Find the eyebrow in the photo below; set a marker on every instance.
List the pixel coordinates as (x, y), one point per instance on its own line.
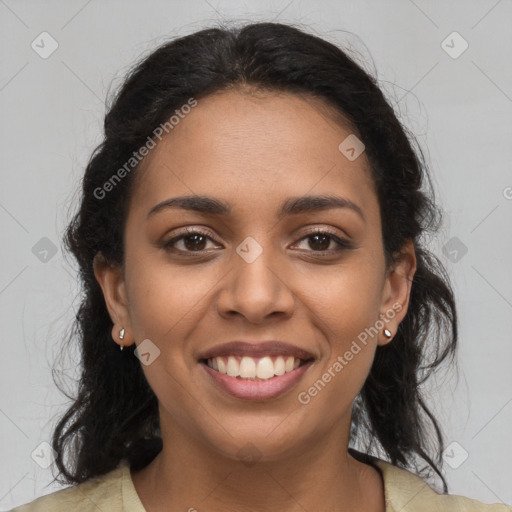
(292, 205)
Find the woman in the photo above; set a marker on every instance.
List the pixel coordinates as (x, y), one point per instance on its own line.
(256, 294)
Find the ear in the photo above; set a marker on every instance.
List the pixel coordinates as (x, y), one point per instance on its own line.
(111, 279)
(397, 290)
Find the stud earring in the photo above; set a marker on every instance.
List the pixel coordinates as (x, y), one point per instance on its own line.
(387, 333)
(121, 336)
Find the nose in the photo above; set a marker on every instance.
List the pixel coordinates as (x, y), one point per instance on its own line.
(256, 288)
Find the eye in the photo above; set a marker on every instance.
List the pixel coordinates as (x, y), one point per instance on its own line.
(320, 240)
(194, 240)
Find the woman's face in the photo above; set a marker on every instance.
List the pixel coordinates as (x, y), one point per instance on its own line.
(254, 274)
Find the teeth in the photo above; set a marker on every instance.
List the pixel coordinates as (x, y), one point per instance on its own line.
(251, 368)
(221, 364)
(279, 366)
(247, 368)
(233, 368)
(264, 368)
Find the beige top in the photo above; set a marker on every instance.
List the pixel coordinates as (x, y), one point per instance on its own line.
(115, 492)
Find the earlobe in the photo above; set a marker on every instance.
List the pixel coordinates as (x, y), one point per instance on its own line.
(111, 280)
(397, 291)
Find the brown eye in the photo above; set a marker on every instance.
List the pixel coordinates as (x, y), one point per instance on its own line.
(321, 241)
(193, 241)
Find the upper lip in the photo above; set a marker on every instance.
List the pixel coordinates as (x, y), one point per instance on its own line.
(245, 348)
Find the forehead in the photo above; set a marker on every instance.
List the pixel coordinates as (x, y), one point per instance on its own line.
(253, 149)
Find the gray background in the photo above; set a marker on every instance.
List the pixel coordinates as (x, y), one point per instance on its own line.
(459, 109)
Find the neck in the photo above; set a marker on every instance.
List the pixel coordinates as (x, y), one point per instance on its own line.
(188, 475)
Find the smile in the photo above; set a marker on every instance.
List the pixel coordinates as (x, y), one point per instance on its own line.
(246, 367)
(253, 378)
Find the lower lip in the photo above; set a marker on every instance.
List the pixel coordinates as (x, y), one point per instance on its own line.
(257, 389)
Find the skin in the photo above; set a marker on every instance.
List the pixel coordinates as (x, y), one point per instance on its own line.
(255, 151)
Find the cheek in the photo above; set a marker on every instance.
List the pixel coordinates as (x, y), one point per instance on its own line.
(345, 307)
(163, 299)
(346, 299)
(344, 314)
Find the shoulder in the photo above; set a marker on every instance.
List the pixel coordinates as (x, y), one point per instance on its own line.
(406, 492)
(110, 492)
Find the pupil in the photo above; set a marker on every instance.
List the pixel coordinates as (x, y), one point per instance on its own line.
(198, 240)
(324, 237)
(196, 244)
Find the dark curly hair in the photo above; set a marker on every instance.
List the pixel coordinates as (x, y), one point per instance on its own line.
(114, 414)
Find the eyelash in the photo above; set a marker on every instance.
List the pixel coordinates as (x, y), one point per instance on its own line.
(344, 244)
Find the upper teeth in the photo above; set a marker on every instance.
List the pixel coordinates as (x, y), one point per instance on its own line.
(250, 367)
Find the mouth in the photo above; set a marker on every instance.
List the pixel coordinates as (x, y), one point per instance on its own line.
(255, 379)
(255, 368)
(255, 371)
